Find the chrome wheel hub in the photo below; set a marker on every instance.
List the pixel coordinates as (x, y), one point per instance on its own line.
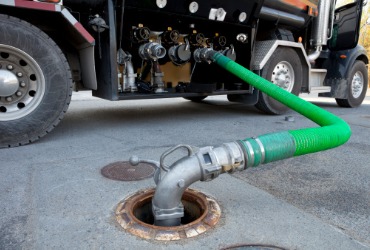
(8, 83)
(357, 84)
(22, 83)
(283, 76)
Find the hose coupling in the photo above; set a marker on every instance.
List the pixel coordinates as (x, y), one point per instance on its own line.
(235, 154)
(203, 55)
(227, 158)
(209, 164)
(152, 51)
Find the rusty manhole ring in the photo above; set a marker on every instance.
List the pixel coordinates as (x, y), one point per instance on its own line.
(201, 214)
(124, 171)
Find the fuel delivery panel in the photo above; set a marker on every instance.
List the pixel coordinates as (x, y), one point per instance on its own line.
(173, 34)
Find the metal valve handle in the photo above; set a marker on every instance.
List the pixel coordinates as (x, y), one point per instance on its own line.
(170, 151)
(135, 160)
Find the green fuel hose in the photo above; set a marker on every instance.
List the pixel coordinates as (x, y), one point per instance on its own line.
(277, 146)
(209, 162)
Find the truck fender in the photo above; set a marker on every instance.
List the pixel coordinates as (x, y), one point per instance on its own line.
(265, 49)
(338, 67)
(79, 37)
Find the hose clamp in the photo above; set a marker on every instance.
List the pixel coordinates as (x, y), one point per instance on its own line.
(249, 155)
(165, 214)
(262, 148)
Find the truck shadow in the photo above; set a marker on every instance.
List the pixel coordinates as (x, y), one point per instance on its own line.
(92, 117)
(162, 116)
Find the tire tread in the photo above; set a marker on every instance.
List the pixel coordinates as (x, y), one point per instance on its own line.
(64, 62)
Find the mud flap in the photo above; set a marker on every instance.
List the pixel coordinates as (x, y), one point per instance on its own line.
(339, 88)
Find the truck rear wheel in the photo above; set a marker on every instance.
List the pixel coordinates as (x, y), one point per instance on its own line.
(285, 70)
(357, 86)
(35, 83)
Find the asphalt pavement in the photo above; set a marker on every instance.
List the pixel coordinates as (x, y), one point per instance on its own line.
(53, 195)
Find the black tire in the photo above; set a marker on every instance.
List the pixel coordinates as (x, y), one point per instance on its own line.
(196, 98)
(283, 60)
(358, 78)
(37, 101)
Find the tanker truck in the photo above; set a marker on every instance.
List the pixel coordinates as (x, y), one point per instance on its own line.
(148, 49)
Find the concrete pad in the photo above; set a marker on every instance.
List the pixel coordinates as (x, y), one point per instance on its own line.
(71, 206)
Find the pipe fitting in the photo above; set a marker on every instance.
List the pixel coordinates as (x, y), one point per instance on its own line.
(321, 28)
(180, 54)
(314, 55)
(129, 76)
(204, 165)
(157, 77)
(166, 204)
(227, 158)
(152, 51)
(235, 159)
(204, 55)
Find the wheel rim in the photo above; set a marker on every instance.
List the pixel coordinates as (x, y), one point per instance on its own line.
(357, 85)
(283, 76)
(22, 83)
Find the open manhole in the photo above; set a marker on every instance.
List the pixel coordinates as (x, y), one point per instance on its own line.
(124, 171)
(134, 214)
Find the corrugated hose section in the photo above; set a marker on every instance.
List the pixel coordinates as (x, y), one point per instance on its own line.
(276, 146)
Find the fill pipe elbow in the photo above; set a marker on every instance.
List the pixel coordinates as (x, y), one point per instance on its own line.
(166, 204)
(206, 164)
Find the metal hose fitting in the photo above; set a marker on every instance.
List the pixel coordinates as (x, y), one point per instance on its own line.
(152, 51)
(204, 165)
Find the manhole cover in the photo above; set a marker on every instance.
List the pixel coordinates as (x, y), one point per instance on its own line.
(253, 247)
(124, 171)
